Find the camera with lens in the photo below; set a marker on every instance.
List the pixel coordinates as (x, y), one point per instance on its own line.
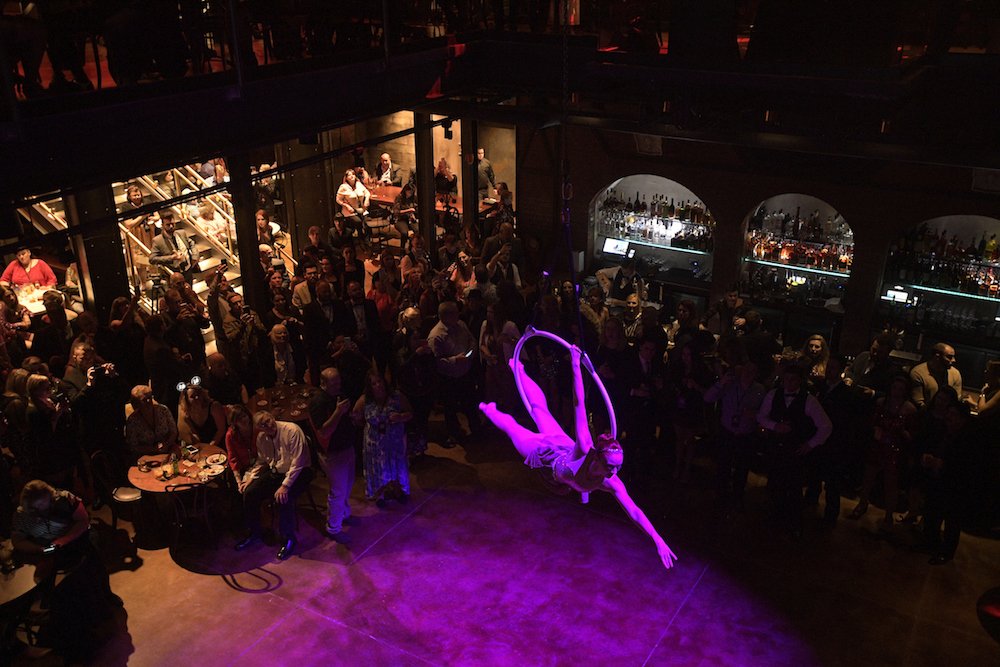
(104, 371)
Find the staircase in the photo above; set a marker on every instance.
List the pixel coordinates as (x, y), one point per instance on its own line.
(214, 239)
(211, 245)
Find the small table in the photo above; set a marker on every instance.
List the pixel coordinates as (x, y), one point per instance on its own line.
(17, 583)
(385, 195)
(14, 603)
(152, 482)
(288, 402)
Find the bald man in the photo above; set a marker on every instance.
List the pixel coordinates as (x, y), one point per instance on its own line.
(386, 173)
(938, 371)
(329, 415)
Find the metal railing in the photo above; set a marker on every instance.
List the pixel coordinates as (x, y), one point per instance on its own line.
(225, 249)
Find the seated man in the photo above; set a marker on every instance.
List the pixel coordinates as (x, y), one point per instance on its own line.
(50, 529)
(151, 428)
(386, 173)
(282, 471)
(25, 270)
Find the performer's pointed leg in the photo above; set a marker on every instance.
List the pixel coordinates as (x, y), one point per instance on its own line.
(524, 440)
(538, 406)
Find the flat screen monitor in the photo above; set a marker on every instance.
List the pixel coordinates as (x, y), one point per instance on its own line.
(615, 247)
(897, 296)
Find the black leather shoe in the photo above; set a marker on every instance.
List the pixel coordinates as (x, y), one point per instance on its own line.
(245, 542)
(286, 549)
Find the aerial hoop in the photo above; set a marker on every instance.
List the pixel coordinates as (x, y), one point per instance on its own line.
(532, 332)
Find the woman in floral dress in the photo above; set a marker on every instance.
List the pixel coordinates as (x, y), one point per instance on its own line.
(384, 413)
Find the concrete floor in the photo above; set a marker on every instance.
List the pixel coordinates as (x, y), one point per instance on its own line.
(486, 567)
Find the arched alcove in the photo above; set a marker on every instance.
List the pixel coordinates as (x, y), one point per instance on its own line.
(797, 257)
(655, 220)
(942, 283)
(799, 247)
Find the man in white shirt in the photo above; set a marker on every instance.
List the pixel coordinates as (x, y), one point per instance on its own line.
(797, 424)
(282, 471)
(454, 346)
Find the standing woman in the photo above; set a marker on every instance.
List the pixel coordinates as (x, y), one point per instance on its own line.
(264, 232)
(691, 377)
(128, 332)
(51, 434)
(497, 338)
(384, 414)
(614, 362)
(16, 321)
(989, 397)
(14, 410)
(415, 373)
(462, 276)
(816, 352)
(385, 296)
(354, 197)
(895, 427)
(685, 324)
(445, 180)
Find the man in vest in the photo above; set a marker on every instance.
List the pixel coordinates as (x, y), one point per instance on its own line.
(797, 424)
(619, 282)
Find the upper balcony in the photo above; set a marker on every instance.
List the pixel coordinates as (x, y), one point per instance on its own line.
(113, 92)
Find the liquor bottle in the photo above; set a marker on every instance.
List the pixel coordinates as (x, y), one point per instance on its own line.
(643, 208)
(970, 252)
(671, 209)
(941, 243)
(981, 248)
(990, 249)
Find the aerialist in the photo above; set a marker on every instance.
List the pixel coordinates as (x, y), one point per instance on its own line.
(579, 464)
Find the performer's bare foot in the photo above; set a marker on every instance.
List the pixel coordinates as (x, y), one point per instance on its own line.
(488, 408)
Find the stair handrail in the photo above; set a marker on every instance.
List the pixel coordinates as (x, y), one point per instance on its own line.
(209, 238)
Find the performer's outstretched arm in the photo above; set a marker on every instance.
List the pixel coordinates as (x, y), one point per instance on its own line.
(583, 439)
(616, 487)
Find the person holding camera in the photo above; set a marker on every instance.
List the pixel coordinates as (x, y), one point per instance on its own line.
(98, 407)
(172, 249)
(52, 436)
(247, 338)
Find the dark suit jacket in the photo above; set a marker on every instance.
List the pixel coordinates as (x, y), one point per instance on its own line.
(160, 253)
(396, 177)
(492, 245)
(318, 331)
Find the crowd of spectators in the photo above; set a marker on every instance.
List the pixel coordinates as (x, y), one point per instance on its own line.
(388, 340)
